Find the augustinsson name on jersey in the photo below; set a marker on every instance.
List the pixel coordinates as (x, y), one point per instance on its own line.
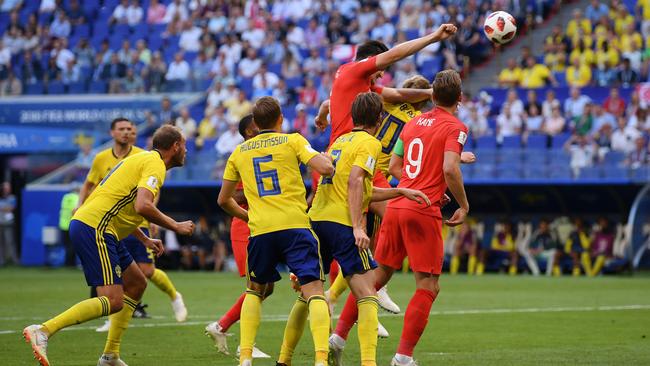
(267, 142)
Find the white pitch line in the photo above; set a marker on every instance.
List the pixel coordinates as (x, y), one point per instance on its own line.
(283, 318)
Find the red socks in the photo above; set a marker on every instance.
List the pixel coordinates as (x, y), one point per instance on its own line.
(415, 320)
(232, 316)
(348, 317)
(334, 271)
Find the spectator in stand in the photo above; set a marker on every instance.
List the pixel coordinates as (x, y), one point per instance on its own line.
(476, 123)
(125, 54)
(144, 54)
(201, 69)
(207, 127)
(238, 106)
(281, 93)
(575, 104)
(190, 37)
(264, 75)
(262, 90)
(536, 75)
(156, 12)
(578, 22)
(220, 119)
(534, 121)
(607, 55)
(11, 86)
(154, 73)
(290, 67)
(71, 73)
(604, 76)
(578, 74)
(583, 53)
(166, 114)
(31, 40)
(510, 76)
(543, 243)
(635, 55)
(308, 95)
(531, 101)
(61, 54)
(508, 123)
(134, 13)
(61, 26)
(52, 71)
(229, 140)
(179, 69)
(602, 246)
(549, 103)
(175, 9)
(217, 95)
(625, 76)
(468, 41)
(583, 124)
(502, 247)
(640, 120)
(84, 54)
(624, 137)
(113, 73)
(5, 60)
(640, 155)
(614, 104)
(186, 123)
(554, 124)
(120, 13)
(13, 39)
(603, 138)
(466, 245)
(596, 10)
(132, 83)
(250, 65)
(217, 22)
(601, 117)
(582, 151)
(75, 13)
(577, 246)
(643, 13)
(513, 102)
(315, 34)
(47, 6)
(31, 69)
(622, 19)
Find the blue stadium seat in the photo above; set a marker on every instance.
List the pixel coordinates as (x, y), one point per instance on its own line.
(535, 172)
(511, 142)
(486, 142)
(430, 67)
(614, 158)
(615, 172)
(535, 157)
(294, 83)
(509, 171)
(275, 68)
(155, 42)
(590, 173)
(55, 87)
(43, 19)
(82, 30)
(246, 85)
(537, 142)
(558, 141)
(640, 175)
(467, 170)
(34, 89)
(205, 84)
(486, 156)
(559, 172)
(411, 34)
(190, 57)
(484, 172)
(77, 88)
(560, 77)
(510, 156)
(98, 87)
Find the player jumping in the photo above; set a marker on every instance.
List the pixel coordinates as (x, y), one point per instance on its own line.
(113, 211)
(337, 215)
(429, 155)
(268, 166)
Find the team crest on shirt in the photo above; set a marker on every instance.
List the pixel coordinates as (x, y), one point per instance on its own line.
(462, 138)
(370, 163)
(152, 182)
(118, 271)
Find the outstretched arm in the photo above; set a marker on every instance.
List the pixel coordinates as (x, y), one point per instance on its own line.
(321, 119)
(146, 207)
(406, 49)
(402, 95)
(322, 163)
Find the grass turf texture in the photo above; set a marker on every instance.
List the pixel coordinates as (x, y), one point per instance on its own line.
(490, 320)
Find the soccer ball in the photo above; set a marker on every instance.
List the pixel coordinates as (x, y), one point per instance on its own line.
(500, 27)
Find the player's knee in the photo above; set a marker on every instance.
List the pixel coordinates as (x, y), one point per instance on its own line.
(268, 291)
(116, 303)
(147, 270)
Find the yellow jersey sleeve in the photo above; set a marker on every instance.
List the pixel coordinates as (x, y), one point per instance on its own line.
(152, 176)
(301, 146)
(230, 172)
(98, 168)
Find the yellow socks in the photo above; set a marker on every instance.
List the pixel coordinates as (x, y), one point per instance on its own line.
(598, 265)
(338, 287)
(119, 323)
(480, 268)
(319, 322)
(81, 312)
(576, 271)
(455, 263)
(471, 264)
(513, 270)
(557, 272)
(293, 330)
(162, 281)
(251, 314)
(585, 259)
(367, 329)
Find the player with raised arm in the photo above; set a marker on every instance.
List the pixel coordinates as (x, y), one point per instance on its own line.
(239, 233)
(337, 215)
(268, 165)
(113, 211)
(428, 153)
(143, 256)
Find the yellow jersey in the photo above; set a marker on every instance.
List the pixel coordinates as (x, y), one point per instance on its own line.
(587, 57)
(356, 148)
(110, 208)
(627, 40)
(269, 167)
(611, 57)
(104, 162)
(574, 24)
(535, 77)
(621, 23)
(645, 8)
(578, 76)
(394, 117)
(510, 75)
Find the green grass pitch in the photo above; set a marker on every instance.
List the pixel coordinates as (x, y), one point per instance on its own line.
(490, 320)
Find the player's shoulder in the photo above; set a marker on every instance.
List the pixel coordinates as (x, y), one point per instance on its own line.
(136, 150)
(104, 154)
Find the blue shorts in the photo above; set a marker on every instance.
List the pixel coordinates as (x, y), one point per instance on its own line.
(337, 242)
(138, 251)
(297, 248)
(102, 256)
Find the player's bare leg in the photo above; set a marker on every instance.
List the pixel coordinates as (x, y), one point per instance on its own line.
(129, 294)
(416, 317)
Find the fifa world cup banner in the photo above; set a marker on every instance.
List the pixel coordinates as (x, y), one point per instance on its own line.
(25, 139)
(76, 111)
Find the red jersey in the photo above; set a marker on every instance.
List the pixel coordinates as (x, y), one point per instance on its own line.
(350, 80)
(238, 228)
(426, 138)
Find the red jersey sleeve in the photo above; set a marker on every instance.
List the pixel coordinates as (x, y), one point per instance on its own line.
(365, 67)
(456, 138)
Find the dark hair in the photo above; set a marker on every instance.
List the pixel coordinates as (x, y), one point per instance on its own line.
(118, 120)
(266, 112)
(244, 123)
(366, 109)
(166, 136)
(447, 88)
(369, 49)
